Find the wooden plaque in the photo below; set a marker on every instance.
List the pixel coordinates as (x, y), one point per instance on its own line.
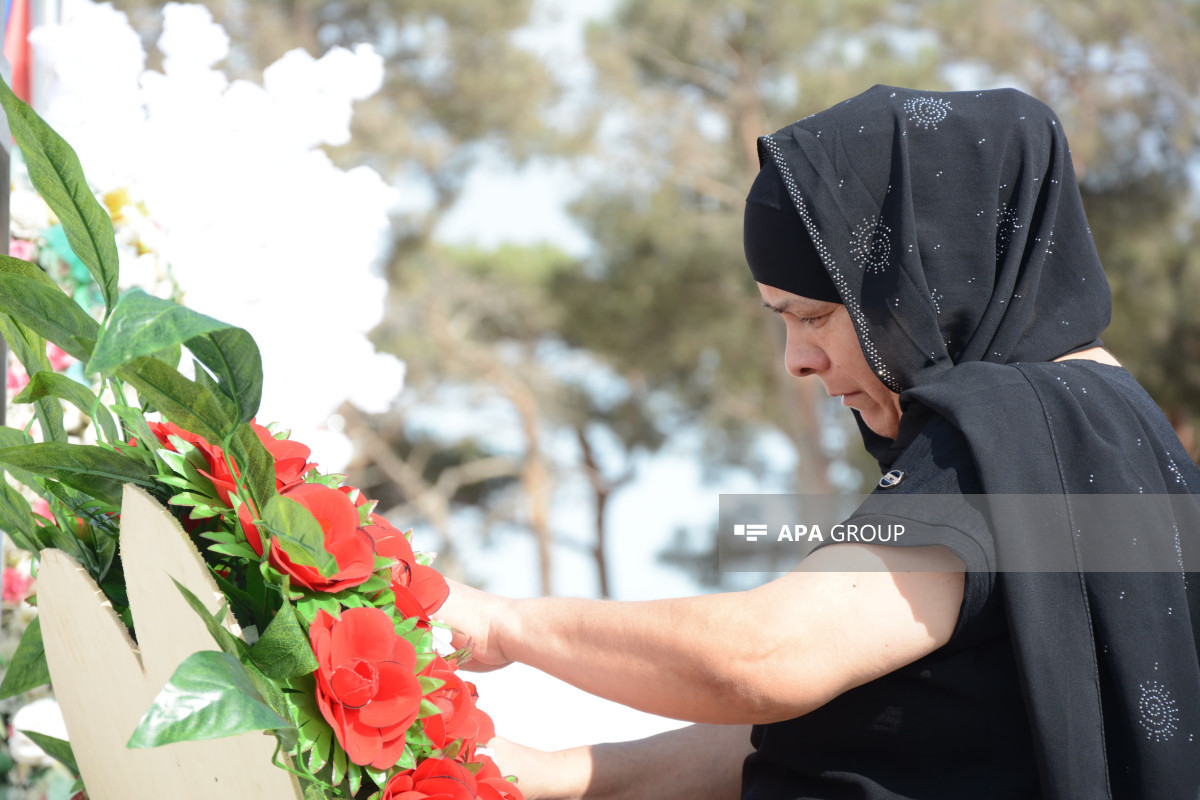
(104, 682)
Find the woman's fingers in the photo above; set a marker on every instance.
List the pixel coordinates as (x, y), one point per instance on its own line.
(474, 618)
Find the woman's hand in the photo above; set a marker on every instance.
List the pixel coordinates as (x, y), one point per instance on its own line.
(475, 618)
(561, 775)
(697, 762)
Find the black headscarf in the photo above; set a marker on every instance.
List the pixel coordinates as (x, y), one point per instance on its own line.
(952, 227)
(778, 248)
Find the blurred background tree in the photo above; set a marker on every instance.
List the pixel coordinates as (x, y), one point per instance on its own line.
(654, 333)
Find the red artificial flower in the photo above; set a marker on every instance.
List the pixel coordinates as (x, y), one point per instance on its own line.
(433, 779)
(223, 479)
(344, 540)
(291, 458)
(420, 590)
(366, 687)
(492, 785)
(359, 501)
(461, 718)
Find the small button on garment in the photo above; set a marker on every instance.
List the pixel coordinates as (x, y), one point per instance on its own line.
(892, 479)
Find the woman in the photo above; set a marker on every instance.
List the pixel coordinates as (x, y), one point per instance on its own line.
(930, 257)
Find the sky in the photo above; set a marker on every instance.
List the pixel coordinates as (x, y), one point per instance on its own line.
(528, 205)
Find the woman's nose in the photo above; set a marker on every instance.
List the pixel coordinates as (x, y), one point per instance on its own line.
(802, 357)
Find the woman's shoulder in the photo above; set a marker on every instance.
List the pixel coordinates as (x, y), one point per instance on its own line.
(937, 460)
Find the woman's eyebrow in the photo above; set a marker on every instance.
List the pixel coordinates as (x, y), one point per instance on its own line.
(790, 306)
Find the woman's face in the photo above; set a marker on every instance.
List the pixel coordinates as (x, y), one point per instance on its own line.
(821, 341)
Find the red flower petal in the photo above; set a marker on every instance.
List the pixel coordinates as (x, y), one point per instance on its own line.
(253, 538)
(361, 742)
(408, 605)
(429, 587)
(391, 752)
(355, 684)
(332, 509)
(365, 633)
(397, 697)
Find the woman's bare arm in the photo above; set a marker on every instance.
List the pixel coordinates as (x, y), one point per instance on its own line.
(851, 614)
(698, 762)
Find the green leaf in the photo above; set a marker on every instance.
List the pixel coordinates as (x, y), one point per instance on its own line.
(51, 384)
(321, 750)
(206, 381)
(16, 518)
(180, 400)
(307, 607)
(314, 791)
(135, 425)
(416, 741)
(108, 428)
(189, 451)
(248, 605)
(28, 668)
(96, 471)
(56, 174)
(339, 764)
(375, 583)
(283, 651)
(428, 709)
(45, 309)
(228, 643)
(429, 684)
(298, 532)
(423, 661)
(256, 464)
(452, 750)
(316, 737)
(30, 350)
(58, 749)
(237, 550)
(46, 384)
(378, 776)
(143, 325)
(355, 775)
(407, 759)
(209, 696)
(190, 499)
(12, 437)
(170, 356)
(233, 357)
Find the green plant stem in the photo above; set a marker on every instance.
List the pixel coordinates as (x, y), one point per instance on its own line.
(302, 772)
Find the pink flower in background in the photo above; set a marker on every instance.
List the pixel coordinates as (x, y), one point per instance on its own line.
(42, 509)
(22, 248)
(59, 360)
(17, 378)
(17, 585)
